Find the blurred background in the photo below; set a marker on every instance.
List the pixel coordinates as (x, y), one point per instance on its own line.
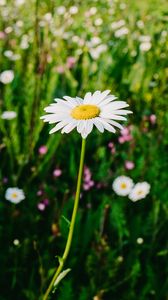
(50, 49)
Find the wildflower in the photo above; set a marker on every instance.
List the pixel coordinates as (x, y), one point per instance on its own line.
(122, 185)
(41, 206)
(14, 195)
(57, 172)
(121, 32)
(61, 10)
(16, 242)
(6, 76)
(144, 47)
(129, 165)
(71, 62)
(112, 147)
(140, 241)
(8, 115)
(140, 191)
(73, 10)
(97, 109)
(152, 119)
(43, 150)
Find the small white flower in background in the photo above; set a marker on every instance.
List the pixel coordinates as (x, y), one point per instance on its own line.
(96, 52)
(6, 76)
(145, 46)
(2, 2)
(122, 185)
(14, 195)
(98, 109)
(140, 241)
(139, 191)
(19, 2)
(116, 25)
(8, 53)
(8, 115)
(98, 22)
(145, 38)
(73, 10)
(121, 32)
(61, 10)
(16, 242)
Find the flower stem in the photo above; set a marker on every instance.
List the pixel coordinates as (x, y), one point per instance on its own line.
(72, 224)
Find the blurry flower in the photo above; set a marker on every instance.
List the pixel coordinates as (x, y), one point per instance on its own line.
(145, 46)
(14, 195)
(116, 25)
(129, 165)
(112, 147)
(122, 185)
(96, 52)
(140, 240)
(2, 2)
(60, 69)
(152, 119)
(39, 193)
(145, 38)
(57, 172)
(5, 180)
(8, 29)
(98, 22)
(61, 10)
(7, 76)
(41, 206)
(2, 35)
(8, 53)
(47, 17)
(55, 229)
(140, 23)
(93, 11)
(97, 109)
(19, 2)
(125, 135)
(139, 191)
(120, 259)
(16, 242)
(8, 115)
(42, 149)
(24, 44)
(71, 62)
(121, 32)
(73, 10)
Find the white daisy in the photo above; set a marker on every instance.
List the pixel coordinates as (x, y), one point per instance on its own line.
(8, 115)
(14, 195)
(6, 76)
(98, 109)
(122, 185)
(140, 191)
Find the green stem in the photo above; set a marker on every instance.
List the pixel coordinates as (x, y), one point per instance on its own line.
(72, 224)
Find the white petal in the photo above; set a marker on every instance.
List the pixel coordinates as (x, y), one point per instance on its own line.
(66, 103)
(107, 126)
(115, 105)
(112, 116)
(80, 126)
(107, 100)
(59, 126)
(69, 127)
(87, 98)
(98, 98)
(72, 102)
(98, 124)
(116, 124)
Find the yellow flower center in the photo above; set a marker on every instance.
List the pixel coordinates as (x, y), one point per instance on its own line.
(139, 193)
(85, 111)
(123, 185)
(14, 195)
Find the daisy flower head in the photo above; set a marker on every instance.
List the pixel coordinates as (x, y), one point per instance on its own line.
(99, 109)
(140, 191)
(122, 185)
(14, 195)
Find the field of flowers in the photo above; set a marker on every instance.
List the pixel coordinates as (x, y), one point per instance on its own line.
(49, 49)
